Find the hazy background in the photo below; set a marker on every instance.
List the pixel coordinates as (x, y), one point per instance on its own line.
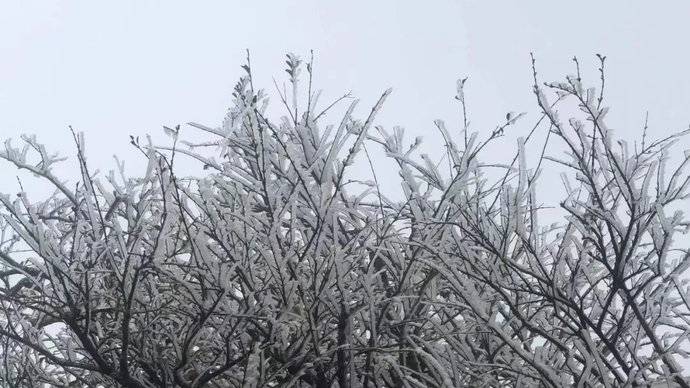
(111, 69)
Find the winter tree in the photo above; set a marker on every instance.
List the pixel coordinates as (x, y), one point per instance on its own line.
(276, 267)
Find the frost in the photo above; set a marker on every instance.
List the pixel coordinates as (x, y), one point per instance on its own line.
(285, 263)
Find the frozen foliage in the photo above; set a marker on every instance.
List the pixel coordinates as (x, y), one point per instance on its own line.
(275, 268)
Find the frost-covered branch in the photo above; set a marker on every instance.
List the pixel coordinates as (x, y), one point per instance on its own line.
(280, 265)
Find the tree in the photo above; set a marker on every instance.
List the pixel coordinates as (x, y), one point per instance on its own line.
(275, 268)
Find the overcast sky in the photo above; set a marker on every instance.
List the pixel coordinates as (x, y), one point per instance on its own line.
(112, 69)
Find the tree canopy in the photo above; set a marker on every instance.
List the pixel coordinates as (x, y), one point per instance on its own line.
(275, 267)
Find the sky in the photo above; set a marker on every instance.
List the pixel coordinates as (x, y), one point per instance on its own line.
(111, 69)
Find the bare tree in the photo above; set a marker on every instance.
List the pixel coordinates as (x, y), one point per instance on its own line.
(276, 268)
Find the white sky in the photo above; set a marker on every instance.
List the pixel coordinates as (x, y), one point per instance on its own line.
(112, 69)
(115, 69)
